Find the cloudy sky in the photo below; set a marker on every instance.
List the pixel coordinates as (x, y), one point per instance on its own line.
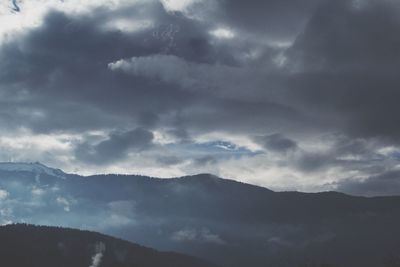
(287, 94)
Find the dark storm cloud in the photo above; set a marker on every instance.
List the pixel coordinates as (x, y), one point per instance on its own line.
(315, 161)
(65, 60)
(115, 147)
(345, 66)
(277, 142)
(350, 36)
(274, 19)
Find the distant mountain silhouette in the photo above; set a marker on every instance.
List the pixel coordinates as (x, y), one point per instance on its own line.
(230, 223)
(24, 245)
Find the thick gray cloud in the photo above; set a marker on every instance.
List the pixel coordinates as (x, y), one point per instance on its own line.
(344, 65)
(115, 147)
(66, 60)
(347, 153)
(277, 142)
(310, 88)
(273, 19)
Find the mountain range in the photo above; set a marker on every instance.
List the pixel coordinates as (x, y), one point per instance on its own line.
(229, 223)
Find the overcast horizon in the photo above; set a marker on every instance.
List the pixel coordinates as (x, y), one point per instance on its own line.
(289, 95)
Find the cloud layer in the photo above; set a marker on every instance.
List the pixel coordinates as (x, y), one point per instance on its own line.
(301, 96)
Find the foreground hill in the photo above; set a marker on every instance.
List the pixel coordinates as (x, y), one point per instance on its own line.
(226, 222)
(32, 246)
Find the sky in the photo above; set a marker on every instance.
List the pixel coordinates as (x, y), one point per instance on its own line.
(286, 94)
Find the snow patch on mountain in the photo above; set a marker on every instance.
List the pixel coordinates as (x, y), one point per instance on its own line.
(34, 167)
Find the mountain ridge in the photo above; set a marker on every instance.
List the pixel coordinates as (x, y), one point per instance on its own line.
(35, 167)
(226, 222)
(40, 168)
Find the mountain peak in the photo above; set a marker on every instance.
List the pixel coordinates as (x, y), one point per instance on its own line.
(35, 167)
(214, 181)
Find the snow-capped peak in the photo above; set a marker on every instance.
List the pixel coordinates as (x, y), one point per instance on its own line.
(34, 167)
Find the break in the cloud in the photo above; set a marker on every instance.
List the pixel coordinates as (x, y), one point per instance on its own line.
(283, 94)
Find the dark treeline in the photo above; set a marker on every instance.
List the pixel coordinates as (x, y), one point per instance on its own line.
(23, 245)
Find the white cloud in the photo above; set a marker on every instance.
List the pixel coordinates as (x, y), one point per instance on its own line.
(115, 221)
(223, 33)
(50, 149)
(129, 25)
(6, 222)
(65, 203)
(203, 235)
(178, 5)
(6, 211)
(36, 191)
(277, 171)
(3, 194)
(32, 12)
(200, 10)
(184, 235)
